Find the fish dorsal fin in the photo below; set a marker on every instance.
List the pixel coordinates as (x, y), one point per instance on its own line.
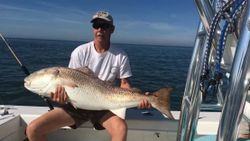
(90, 73)
(86, 71)
(134, 89)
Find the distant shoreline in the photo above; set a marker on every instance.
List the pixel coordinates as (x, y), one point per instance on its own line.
(19, 38)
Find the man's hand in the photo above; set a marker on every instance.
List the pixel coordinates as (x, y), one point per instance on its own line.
(60, 95)
(144, 103)
(126, 85)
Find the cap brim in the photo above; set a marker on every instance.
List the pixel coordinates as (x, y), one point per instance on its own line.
(98, 18)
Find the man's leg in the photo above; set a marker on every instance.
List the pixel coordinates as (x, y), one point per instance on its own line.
(115, 126)
(39, 128)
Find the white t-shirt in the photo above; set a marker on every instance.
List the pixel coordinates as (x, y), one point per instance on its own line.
(107, 66)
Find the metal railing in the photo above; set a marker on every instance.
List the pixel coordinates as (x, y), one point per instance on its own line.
(192, 96)
(235, 95)
(238, 86)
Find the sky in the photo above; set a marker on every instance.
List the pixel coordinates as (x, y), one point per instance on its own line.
(159, 22)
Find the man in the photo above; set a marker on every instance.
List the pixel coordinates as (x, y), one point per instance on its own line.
(107, 63)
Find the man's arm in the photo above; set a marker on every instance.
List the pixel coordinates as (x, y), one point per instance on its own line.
(125, 83)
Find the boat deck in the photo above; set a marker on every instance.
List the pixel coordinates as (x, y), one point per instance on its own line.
(146, 127)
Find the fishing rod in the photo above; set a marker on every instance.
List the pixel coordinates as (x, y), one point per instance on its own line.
(24, 69)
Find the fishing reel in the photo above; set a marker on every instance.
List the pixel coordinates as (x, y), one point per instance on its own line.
(210, 87)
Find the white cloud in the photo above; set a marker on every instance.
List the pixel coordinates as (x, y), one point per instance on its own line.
(45, 10)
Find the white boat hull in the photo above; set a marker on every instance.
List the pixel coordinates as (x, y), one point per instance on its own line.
(12, 127)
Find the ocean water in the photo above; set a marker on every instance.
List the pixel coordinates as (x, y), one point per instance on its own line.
(153, 67)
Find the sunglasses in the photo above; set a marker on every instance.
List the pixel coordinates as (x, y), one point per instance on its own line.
(101, 25)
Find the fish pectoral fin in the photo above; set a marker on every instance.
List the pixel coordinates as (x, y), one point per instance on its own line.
(119, 112)
(69, 83)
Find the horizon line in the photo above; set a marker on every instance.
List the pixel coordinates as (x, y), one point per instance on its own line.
(65, 40)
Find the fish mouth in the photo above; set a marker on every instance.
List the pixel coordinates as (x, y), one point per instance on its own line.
(27, 86)
(33, 88)
(26, 83)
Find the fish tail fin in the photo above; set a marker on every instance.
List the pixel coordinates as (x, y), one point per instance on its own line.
(162, 101)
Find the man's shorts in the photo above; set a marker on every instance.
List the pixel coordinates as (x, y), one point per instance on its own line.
(80, 116)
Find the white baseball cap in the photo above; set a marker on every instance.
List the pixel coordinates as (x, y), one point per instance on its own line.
(104, 16)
